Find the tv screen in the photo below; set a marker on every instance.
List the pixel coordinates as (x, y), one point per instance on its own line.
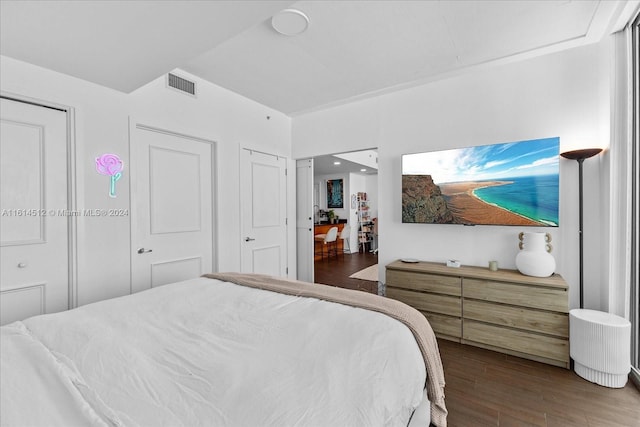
(514, 183)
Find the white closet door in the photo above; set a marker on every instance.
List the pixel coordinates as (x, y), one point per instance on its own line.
(172, 207)
(263, 198)
(34, 266)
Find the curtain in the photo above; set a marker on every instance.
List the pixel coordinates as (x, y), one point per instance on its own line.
(634, 254)
(621, 146)
(624, 291)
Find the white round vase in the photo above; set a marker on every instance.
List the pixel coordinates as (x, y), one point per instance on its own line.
(534, 258)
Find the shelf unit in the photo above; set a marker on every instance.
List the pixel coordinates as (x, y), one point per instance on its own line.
(365, 225)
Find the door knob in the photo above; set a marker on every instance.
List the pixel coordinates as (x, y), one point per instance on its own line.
(144, 251)
(249, 239)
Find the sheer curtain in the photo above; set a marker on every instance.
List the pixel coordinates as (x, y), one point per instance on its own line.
(623, 289)
(621, 146)
(635, 204)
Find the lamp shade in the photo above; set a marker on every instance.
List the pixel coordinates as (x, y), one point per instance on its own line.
(581, 154)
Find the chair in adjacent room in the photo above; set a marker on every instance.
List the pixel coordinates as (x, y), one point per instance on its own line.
(330, 240)
(345, 234)
(374, 237)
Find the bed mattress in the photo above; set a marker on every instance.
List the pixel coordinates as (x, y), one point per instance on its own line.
(209, 352)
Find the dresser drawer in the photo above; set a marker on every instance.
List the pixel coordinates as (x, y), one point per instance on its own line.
(444, 325)
(517, 294)
(424, 282)
(434, 303)
(516, 340)
(500, 310)
(518, 317)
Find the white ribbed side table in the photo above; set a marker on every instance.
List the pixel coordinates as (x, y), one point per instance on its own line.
(600, 346)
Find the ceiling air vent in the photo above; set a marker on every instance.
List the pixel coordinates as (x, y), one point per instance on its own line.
(180, 84)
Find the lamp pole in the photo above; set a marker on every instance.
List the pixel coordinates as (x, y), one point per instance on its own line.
(580, 156)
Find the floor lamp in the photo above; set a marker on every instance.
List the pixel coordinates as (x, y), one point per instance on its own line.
(580, 155)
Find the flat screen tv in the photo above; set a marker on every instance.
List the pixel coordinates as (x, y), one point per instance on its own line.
(514, 183)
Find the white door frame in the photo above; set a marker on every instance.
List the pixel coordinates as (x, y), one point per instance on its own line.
(305, 222)
(133, 191)
(72, 222)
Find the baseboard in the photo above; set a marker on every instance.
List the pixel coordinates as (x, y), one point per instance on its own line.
(634, 376)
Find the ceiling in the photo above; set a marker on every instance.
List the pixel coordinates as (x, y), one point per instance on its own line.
(351, 49)
(122, 44)
(351, 162)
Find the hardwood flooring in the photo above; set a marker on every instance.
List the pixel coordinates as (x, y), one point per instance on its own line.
(486, 388)
(335, 271)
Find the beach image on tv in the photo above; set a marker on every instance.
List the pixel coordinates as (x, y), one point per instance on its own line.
(502, 184)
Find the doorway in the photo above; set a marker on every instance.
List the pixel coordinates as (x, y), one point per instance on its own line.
(355, 176)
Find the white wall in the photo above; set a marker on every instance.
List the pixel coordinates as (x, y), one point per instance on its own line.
(234, 122)
(102, 125)
(563, 94)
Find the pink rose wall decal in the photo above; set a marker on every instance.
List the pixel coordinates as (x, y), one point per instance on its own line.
(112, 166)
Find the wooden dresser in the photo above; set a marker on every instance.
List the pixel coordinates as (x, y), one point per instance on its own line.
(500, 310)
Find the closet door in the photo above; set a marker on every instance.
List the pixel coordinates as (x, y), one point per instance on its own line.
(263, 210)
(33, 211)
(172, 207)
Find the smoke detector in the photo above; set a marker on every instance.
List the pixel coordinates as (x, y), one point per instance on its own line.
(290, 22)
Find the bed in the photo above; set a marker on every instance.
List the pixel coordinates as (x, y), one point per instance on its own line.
(225, 350)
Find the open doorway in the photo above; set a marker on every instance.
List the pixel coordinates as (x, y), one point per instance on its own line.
(345, 196)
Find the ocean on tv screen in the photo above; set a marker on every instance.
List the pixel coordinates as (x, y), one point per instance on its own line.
(534, 197)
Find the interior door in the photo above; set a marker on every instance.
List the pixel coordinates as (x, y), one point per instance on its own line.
(263, 199)
(34, 260)
(304, 219)
(172, 207)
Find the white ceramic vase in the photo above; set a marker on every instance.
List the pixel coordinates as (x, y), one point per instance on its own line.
(534, 258)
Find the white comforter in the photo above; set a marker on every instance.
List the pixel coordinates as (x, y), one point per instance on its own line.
(206, 352)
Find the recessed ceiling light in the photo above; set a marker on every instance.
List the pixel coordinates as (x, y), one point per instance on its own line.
(336, 163)
(290, 22)
(363, 170)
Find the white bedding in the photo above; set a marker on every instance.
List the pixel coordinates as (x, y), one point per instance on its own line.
(206, 352)
(39, 389)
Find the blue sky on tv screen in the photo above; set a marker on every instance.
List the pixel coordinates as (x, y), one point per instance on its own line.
(487, 162)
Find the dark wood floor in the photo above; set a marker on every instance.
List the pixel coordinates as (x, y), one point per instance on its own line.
(485, 388)
(335, 271)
